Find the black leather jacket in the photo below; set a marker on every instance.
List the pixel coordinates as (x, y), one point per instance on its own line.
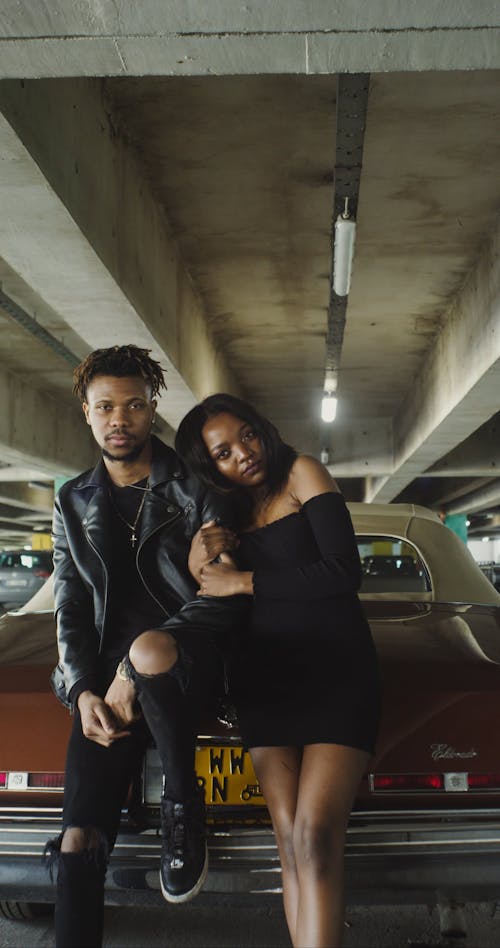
(174, 509)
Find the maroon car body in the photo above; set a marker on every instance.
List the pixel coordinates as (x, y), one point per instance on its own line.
(427, 816)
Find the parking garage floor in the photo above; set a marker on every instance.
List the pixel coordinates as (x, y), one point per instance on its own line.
(230, 925)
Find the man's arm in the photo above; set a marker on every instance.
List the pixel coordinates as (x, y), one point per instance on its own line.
(77, 640)
(76, 635)
(214, 616)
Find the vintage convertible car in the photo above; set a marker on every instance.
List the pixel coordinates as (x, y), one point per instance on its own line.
(426, 824)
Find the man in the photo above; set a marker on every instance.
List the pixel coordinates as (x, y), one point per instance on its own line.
(139, 652)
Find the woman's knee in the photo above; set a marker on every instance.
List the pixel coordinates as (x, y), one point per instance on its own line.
(283, 831)
(318, 845)
(153, 652)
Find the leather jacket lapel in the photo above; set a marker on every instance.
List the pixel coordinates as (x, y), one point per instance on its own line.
(97, 524)
(157, 512)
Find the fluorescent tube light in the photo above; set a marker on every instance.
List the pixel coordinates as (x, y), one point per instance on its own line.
(345, 234)
(328, 408)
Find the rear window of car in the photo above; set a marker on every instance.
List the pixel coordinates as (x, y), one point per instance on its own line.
(25, 559)
(391, 565)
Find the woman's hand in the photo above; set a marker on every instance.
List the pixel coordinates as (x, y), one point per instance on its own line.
(208, 543)
(222, 579)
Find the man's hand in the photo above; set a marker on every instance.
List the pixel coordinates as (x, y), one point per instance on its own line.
(207, 544)
(120, 697)
(98, 723)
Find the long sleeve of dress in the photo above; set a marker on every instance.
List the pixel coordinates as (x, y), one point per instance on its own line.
(336, 572)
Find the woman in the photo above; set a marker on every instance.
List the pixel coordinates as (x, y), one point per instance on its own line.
(304, 680)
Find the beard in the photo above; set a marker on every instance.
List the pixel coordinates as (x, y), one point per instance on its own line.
(131, 455)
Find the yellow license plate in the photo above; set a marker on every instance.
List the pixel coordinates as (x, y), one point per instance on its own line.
(228, 776)
(225, 772)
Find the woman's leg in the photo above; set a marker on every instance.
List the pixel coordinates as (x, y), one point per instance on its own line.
(277, 770)
(329, 777)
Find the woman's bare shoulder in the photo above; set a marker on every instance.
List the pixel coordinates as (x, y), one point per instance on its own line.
(309, 477)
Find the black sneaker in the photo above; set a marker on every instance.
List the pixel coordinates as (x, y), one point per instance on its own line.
(184, 858)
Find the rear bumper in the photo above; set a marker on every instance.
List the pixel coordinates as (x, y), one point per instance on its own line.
(390, 857)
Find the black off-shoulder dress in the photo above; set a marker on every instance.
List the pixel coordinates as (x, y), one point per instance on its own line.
(306, 672)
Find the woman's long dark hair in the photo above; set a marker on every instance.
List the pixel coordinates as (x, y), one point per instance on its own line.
(191, 447)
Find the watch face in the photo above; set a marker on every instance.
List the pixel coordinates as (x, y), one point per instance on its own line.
(122, 672)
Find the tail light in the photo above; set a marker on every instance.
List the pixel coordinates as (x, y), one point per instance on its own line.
(453, 782)
(48, 781)
(41, 573)
(407, 782)
(21, 780)
(484, 781)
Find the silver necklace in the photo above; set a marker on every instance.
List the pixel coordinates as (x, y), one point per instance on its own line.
(132, 526)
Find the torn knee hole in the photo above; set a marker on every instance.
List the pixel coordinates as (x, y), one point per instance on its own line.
(153, 653)
(75, 839)
(87, 845)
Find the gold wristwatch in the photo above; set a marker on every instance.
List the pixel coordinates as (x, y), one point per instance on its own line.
(123, 671)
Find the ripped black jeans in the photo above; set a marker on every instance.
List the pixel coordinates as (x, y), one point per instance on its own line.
(97, 780)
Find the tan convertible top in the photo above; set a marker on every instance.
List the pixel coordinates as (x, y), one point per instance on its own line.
(455, 575)
(29, 635)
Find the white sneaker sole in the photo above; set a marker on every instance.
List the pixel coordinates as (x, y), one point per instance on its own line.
(187, 896)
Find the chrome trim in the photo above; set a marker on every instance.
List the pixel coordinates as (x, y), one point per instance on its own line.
(388, 855)
(38, 790)
(204, 740)
(371, 816)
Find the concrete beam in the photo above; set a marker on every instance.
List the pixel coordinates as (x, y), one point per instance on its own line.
(13, 473)
(184, 37)
(357, 447)
(29, 519)
(114, 273)
(37, 430)
(27, 497)
(478, 456)
(457, 388)
(483, 499)
(12, 529)
(461, 487)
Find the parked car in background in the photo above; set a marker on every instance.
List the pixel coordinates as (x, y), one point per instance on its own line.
(492, 571)
(427, 816)
(22, 573)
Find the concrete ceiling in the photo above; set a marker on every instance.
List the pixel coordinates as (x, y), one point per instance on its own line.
(193, 215)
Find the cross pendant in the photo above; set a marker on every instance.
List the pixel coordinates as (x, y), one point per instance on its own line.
(133, 538)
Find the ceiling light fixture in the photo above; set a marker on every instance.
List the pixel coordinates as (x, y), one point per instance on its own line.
(345, 235)
(328, 407)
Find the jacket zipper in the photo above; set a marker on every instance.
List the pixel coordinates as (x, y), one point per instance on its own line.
(162, 526)
(106, 574)
(106, 587)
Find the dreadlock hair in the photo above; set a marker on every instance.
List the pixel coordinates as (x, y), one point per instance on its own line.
(191, 447)
(119, 361)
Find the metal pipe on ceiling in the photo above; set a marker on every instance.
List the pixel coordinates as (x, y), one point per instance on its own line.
(16, 312)
(352, 105)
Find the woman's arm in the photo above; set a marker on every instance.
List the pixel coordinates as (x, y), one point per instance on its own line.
(338, 570)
